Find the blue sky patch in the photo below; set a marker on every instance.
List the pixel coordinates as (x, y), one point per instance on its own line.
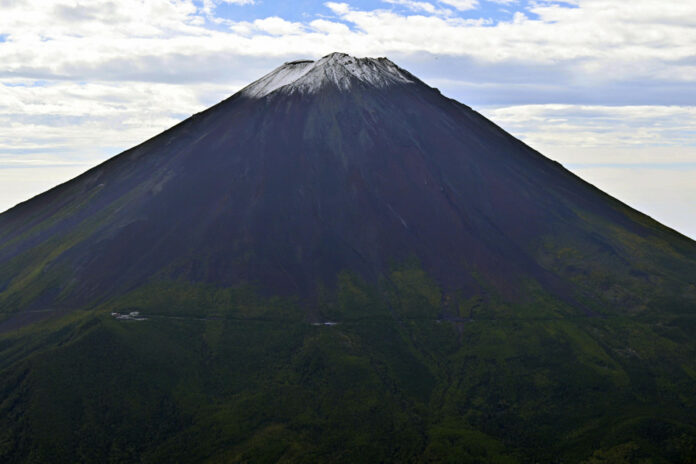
(306, 11)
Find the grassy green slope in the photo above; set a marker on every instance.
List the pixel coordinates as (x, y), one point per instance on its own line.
(245, 379)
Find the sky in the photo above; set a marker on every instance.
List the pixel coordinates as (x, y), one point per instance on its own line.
(605, 87)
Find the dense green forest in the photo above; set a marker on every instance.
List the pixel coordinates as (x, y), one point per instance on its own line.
(222, 375)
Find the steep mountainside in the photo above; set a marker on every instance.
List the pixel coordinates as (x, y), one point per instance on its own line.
(490, 305)
(324, 167)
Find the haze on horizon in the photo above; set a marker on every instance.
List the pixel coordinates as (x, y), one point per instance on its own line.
(605, 87)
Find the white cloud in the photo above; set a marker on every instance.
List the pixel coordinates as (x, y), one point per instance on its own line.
(604, 134)
(329, 27)
(600, 39)
(65, 122)
(461, 5)
(278, 26)
(338, 8)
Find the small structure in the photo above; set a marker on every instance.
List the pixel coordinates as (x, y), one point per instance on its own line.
(132, 316)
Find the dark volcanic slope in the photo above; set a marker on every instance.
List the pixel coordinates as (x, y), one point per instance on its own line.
(487, 305)
(353, 165)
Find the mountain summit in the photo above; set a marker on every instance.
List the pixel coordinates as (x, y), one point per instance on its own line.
(337, 69)
(340, 264)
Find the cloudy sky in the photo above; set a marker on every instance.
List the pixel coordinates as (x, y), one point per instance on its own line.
(606, 87)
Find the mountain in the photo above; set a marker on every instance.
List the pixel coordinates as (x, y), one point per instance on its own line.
(340, 264)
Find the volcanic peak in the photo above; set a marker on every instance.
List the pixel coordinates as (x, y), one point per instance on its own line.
(338, 69)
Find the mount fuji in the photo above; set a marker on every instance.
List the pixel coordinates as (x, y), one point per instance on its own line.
(340, 264)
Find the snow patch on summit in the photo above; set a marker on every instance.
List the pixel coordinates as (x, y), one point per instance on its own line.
(339, 69)
(280, 77)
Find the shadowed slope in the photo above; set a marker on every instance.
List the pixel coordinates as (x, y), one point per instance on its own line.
(318, 168)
